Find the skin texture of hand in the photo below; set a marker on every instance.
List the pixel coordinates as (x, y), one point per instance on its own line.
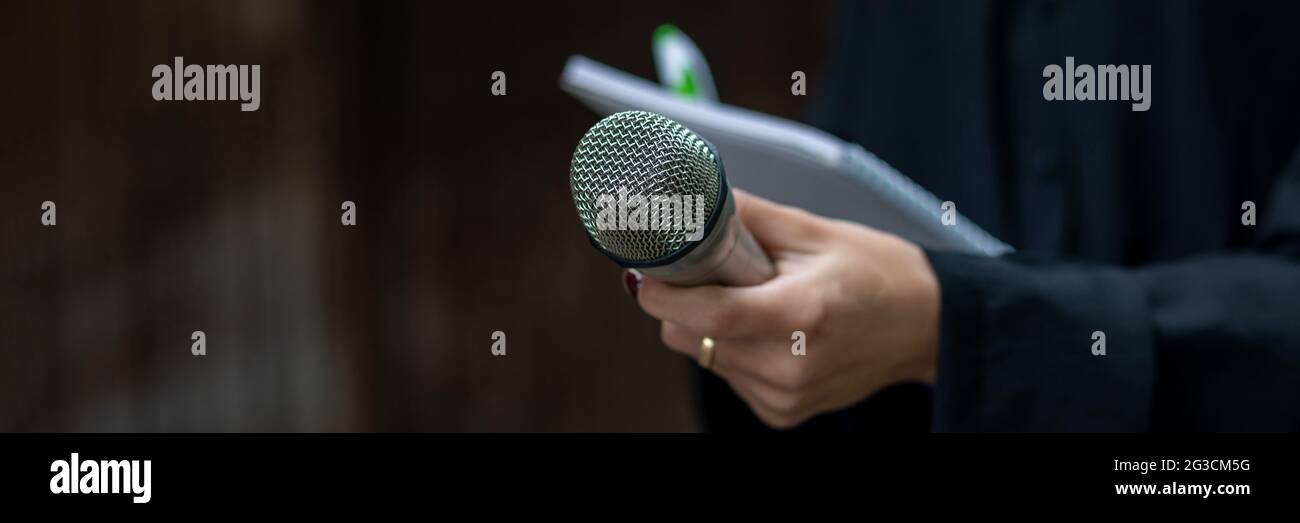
(866, 301)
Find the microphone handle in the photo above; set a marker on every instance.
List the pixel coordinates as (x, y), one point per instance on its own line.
(729, 255)
(747, 264)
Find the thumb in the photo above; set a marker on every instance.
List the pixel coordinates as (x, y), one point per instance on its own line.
(779, 227)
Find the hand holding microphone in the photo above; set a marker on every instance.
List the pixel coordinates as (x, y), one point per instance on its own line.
(866, 302)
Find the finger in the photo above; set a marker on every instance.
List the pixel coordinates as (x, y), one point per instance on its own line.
(760, 402)
(725, 312)
(683, 340)
(679, 339)
(731, 357)
(779, 227)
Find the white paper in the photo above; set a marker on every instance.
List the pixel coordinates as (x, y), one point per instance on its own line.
(789, 162)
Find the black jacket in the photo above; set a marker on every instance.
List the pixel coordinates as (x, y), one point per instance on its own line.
(1126, 223)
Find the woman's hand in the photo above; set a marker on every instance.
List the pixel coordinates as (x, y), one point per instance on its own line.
(867, 303)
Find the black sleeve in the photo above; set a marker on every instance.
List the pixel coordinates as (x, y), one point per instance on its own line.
(1210, 343)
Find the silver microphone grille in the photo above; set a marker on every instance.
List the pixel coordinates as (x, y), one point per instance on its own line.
(643, 154)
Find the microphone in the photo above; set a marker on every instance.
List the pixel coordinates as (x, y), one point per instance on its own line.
(653, 196)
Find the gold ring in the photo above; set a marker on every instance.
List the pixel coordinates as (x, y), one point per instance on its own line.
(707, 348)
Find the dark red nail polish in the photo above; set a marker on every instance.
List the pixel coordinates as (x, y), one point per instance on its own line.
(631, 283)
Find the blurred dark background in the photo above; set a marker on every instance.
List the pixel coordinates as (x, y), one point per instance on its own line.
(183, 216)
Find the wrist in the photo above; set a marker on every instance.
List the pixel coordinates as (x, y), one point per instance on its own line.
(928, 306)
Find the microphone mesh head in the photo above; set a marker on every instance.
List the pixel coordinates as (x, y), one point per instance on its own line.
(649, 155)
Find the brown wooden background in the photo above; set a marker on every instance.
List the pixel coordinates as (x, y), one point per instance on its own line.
(183, 216)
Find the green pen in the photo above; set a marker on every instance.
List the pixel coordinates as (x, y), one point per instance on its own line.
(681, 66)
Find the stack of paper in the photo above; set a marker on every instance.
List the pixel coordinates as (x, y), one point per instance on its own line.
(790, 162)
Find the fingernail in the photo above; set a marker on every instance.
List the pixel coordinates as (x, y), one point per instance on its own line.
(631, 282)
